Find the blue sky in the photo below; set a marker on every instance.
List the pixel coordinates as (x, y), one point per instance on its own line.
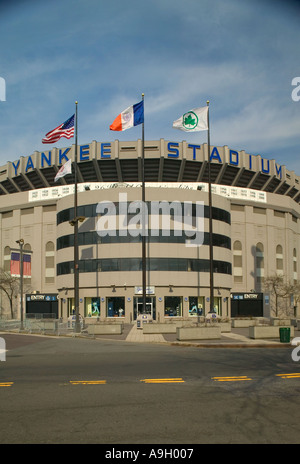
(239, 55)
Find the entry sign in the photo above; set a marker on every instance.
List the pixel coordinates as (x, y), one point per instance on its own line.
(246, 296)
(41, 297)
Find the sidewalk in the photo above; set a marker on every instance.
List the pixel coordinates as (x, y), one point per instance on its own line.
(237, 338)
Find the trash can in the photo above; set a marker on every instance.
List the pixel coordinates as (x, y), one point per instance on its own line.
(285, 334)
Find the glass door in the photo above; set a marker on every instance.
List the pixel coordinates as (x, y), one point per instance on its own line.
(147, 311)
(138, 307)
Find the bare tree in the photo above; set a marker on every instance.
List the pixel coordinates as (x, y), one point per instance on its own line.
(278, 288)
(294, 290)
(10, 286)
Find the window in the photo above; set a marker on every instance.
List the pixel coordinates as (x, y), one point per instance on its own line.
(196, 306)
(6, 264)
(50, 267)
(173, 305)
(237, 207)
(26, 211)
(8, 214)
(279, 213)
(71, 306)
(295, 265)
(92, 307)
(279, 260)
(217, 305)
(258, 210)
(237, 262)
(115, 306)
(260, 263)
(135, 264)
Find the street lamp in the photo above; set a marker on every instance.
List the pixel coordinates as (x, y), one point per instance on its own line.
(21, 244)
(74, 223)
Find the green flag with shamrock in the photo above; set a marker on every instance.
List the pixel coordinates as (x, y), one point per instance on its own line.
(192, 121)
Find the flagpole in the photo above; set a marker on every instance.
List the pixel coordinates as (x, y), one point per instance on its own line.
(211, 270)
(143, 216)
(77, 328)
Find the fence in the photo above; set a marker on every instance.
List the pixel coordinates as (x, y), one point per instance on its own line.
(42, 324)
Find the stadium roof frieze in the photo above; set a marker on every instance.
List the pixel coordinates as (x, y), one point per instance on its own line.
(165, 161)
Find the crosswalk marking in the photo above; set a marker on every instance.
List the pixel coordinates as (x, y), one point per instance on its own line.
(231, 379)
(294, 375)
(6, 384)
(176, 380)
(88, 382)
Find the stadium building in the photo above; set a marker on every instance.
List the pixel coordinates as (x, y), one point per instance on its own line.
(255, 233)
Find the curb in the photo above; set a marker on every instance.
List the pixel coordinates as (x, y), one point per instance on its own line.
(166, 342)
(232, 345)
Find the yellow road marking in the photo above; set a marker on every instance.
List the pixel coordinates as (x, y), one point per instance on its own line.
(231, 379)
(6, 384)
(176, 380)
(88, 382)
(289, 376)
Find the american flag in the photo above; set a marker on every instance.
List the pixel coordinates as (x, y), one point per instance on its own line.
(64, 130)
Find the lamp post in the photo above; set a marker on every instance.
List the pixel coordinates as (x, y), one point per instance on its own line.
(74, 223)
(21, 244)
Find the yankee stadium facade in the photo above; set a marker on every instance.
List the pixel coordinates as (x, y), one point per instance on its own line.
(255, 230)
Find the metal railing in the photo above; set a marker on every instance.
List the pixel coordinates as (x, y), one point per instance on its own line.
(40, 324)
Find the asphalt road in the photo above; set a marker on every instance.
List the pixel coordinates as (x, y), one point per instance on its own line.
(70, 390)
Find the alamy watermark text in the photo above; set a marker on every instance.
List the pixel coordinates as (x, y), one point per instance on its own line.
(138, 218)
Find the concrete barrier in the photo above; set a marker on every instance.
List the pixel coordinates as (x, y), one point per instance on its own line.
(198, 333)
(41, 325)
(280, 321)
(241, 323)
(168, 328)
(104, 329)
(225, 326)
(270, 331)
(159, 328)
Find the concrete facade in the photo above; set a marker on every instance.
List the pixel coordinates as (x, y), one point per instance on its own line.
(255, 227)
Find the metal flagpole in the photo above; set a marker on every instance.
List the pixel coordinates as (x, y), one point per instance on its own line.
(77, 328)
(211, 269)
(143, 216)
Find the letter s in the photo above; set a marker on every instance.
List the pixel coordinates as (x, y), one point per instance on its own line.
(295, 94)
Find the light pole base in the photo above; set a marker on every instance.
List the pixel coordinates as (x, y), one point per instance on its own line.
(77, 327)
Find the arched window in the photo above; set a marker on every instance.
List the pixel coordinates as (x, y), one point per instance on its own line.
(50, 265)
(295, 275)
(260, 263)
(6, 259)
(237, 262)
(279, 260)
